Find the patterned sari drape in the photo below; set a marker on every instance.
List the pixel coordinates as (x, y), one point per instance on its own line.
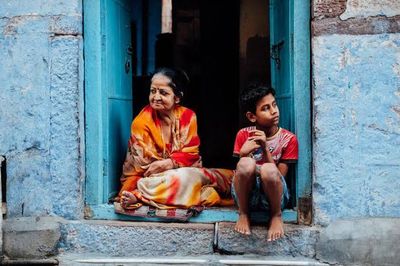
(189, 184)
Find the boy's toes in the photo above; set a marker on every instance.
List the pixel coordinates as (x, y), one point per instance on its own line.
(242, 230)
(242, 225)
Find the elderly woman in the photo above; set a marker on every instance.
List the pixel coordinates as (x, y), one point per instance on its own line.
(163, 166)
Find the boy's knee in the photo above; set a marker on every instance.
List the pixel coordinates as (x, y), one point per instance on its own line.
(246, 167)
(270, 173)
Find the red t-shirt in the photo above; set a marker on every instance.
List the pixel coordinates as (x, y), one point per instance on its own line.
(283, 146)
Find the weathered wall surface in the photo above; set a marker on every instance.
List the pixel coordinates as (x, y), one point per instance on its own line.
(356, 98)
(41, 106)
(356, 101)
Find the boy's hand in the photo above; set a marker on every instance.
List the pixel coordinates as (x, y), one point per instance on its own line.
(259, 137)
(249, 146)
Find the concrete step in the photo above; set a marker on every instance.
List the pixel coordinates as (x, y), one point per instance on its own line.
(91, 259)
(298, 241)
(39, 238)
(116, 238)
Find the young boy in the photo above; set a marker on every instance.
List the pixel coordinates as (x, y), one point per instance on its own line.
(265, 151)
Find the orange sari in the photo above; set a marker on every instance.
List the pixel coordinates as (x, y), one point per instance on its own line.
(187, 185)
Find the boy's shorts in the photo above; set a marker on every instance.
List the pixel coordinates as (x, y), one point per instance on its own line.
(258, 200)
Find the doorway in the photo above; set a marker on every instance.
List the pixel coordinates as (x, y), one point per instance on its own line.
(222, 45)
(207, 47)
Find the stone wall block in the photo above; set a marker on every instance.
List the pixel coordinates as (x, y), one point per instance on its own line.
(24, 116)
(65, 131)
(66, 25)
(369, 8)
(328, 8)
(12, 8)
(31, 237)
(368, 241)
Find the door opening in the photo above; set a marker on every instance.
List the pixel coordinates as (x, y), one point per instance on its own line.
(223, 45)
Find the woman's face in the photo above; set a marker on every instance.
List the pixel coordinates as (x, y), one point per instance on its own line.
(162, 97)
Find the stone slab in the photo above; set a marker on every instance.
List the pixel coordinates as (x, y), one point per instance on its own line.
(31, 237)
(298, 241)
(366, 8)
(138, 238)
(373, 241)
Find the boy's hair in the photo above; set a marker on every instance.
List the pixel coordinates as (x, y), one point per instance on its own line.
(252, 94)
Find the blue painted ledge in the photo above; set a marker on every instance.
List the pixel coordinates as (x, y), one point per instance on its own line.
(209, 215)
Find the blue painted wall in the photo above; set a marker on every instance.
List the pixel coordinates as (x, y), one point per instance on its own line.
(356, 113)
(41, 106)
(357, 126)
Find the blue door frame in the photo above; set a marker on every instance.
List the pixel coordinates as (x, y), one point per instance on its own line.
(290, 42)
(95, 111)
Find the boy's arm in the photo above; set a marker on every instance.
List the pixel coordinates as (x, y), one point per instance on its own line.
(268, 155)
(243, 145)
(283, 168)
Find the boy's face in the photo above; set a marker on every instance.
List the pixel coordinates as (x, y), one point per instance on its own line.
(267, 112)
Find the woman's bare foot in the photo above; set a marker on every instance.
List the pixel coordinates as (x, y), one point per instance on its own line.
(243, 224)
(275, 230)
(127, 198)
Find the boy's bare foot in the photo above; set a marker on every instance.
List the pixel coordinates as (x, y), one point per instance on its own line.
(275, 230)
(243, 224)
(127, 198)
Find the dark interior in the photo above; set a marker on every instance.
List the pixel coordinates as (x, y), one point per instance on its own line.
(205, 42)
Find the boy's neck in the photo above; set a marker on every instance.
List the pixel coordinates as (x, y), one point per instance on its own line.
(269, 131)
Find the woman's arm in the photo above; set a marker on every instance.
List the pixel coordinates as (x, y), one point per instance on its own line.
(159, 167)
(188, 154)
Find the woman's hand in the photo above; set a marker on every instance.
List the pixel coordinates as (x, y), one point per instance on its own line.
(159, 166)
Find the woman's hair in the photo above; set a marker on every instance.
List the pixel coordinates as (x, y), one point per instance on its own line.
(179, 79)
(252, 94)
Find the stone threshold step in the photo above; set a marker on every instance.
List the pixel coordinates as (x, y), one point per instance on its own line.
(38, 237)
(182, 239)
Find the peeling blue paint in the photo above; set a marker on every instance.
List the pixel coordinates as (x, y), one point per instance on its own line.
(356, 155)
(41, 107)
